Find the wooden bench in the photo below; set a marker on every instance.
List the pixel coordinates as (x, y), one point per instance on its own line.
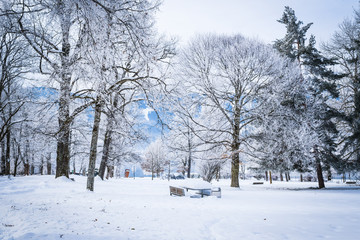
(257, 183)
(177, 191)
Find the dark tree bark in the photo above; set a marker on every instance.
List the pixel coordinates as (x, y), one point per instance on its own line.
(27, 158)
(235, 170)
(93, 146)
(106, 151)
(189, 166)
(63, 143)
(320, 175)
(270, 177)
(329, 176)
(108, 137)
(3, 158)
(48, 164)
(7, 155)
(26, 169)
(17, 156)
(42, 165)
(184, 163)
(266, 176)
(110, 172)
(235, 160)
(190, 155)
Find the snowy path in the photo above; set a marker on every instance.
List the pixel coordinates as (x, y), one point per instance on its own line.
(40, 207)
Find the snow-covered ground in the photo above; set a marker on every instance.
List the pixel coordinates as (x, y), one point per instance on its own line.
(44, 208)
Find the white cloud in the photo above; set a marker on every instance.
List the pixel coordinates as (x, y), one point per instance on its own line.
(146, 112)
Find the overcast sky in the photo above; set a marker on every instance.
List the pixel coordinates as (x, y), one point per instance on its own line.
(252, 18)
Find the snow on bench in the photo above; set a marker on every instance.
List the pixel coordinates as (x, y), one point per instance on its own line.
(216, 192)
(180, 191)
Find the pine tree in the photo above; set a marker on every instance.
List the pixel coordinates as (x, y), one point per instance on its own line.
(321, 80)
(345, 47)
(323, 88)
(293, 44)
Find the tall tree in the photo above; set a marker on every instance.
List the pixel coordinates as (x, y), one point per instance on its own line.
(56, 31)
(13, 66)
(227, 76)
(320, 87)
(124, 58)
(345, 48)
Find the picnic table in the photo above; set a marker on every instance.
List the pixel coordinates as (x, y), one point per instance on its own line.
(201, 188)
(201, 191)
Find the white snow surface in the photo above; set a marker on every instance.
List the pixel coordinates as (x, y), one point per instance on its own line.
(44, 208)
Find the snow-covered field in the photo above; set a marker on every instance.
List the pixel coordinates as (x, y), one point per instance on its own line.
(44, 208)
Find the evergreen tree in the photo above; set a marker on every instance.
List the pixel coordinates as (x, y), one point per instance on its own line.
(293, 44)
(321, 87)
(345, 47)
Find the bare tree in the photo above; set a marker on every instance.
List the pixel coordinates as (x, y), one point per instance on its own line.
(124, 57)
(155, 160)
(227, 75)
(13, 65)
(56, 31)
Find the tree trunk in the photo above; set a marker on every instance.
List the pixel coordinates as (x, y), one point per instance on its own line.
(235, 146)
(320, 175)
(189, 159)
(42, 165)
(48, 164)
(301, 177)
(329, 175)
(266, 176)
(189, 166)
(169, 170)
(16, 157)
(108, 137)
(63, 140)
(32, 166)
(235, 170)
(26, 169)
(106, 148)
(32, 169)
(281, 177)
(93, 146)
(7, 155)
(270, 177)
(110, 172)
(3, 158)
(184, 162)
(27, 158)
